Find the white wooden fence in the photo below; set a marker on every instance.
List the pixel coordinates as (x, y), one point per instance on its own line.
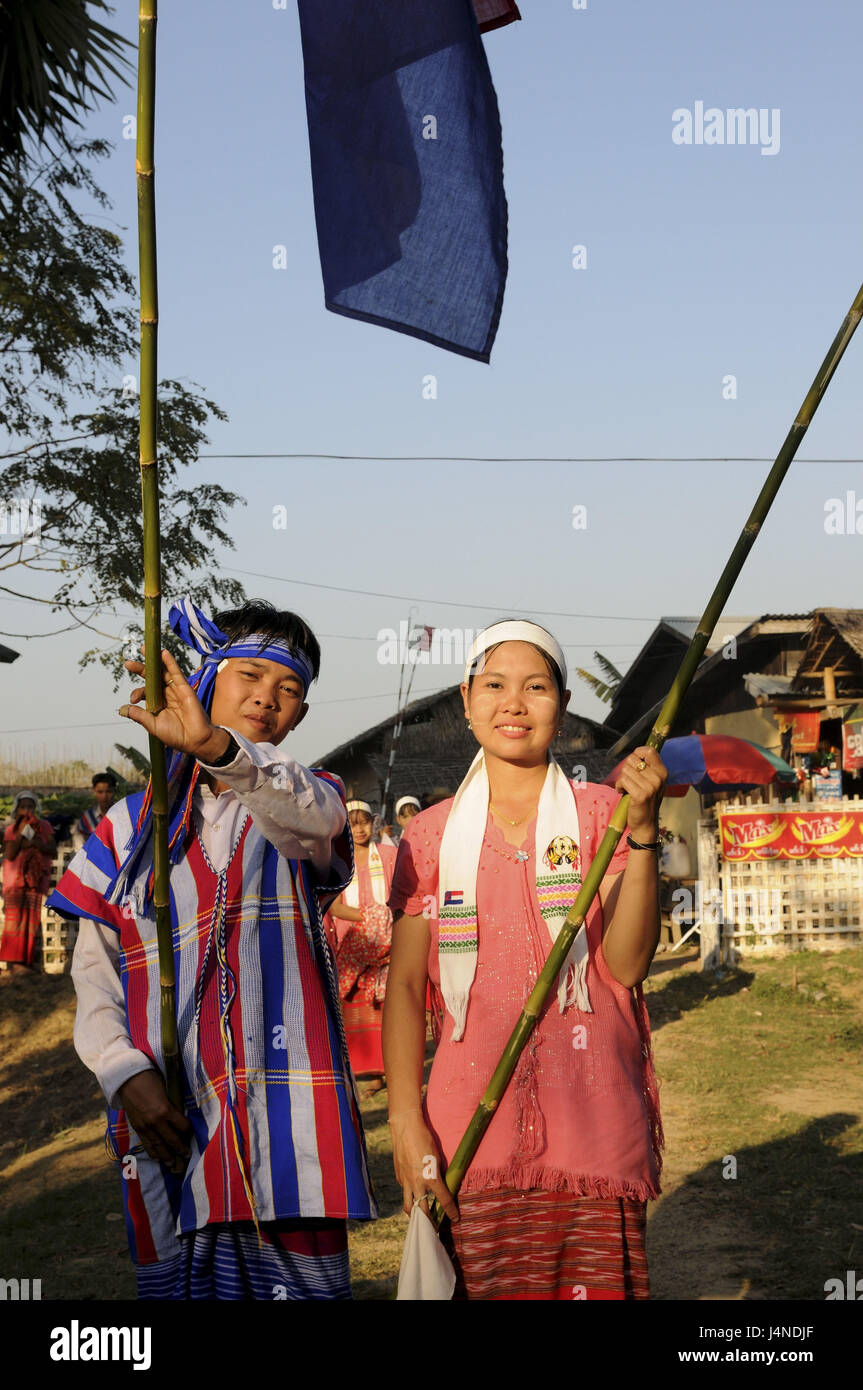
(753, 907)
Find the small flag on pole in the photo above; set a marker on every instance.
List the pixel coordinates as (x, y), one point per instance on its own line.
(407, 165)
(422, 638)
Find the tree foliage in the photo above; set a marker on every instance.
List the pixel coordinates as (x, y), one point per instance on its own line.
(69, 419)
(56, 62)
(61, 278)
(90, 525)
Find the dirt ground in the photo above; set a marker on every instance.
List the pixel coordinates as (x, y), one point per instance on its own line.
(761, 1099)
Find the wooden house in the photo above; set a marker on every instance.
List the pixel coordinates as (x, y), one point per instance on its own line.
(761, 682)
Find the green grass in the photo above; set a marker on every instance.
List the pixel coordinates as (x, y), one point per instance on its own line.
(749, 1067)
(757, 1070)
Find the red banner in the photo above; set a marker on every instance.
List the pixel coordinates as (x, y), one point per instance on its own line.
(805, 729)
(852, 740)
(791, 834)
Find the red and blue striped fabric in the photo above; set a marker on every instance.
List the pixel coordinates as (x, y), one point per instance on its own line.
(299, 1260)
(269, 1093)
(89, 822)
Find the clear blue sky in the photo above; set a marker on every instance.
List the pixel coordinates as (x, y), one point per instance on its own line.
(702, 261)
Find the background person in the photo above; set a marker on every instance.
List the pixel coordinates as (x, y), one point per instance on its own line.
(28, 856)
(104, 793)
(362, 925)
(405, 809)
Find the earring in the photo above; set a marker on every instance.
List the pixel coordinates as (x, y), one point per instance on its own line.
(469, 725)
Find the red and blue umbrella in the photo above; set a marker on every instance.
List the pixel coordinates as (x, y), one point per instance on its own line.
(718, 762)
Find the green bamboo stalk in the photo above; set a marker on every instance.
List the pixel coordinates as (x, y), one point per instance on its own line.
(148, 443)
(664, 721)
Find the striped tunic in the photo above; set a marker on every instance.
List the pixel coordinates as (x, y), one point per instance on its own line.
(89, 822)
(269, 1092)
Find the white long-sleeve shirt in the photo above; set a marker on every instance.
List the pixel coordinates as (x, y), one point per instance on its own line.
(298, 813)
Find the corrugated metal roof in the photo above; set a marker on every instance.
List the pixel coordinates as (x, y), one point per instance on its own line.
(757, 683)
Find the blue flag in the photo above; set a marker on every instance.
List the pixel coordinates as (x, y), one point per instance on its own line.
(407, 166)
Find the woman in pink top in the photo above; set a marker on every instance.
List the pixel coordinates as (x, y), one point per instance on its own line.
(553, 1204)
(360, 929)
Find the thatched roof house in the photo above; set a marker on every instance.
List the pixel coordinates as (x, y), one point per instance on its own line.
(436, 748)
(719, 695)
(835, 645)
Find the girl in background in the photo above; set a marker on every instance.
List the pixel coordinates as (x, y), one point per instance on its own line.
(361, 931)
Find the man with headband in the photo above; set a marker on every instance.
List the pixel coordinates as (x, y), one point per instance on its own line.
(269, 1142)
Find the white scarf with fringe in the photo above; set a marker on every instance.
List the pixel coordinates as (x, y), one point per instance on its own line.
(557, 875)
(351, 895)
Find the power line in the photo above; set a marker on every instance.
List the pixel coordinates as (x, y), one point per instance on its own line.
(400, 598)
(529, 458)
(441, 602)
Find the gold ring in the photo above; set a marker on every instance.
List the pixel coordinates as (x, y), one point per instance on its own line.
(641, 765)
(170, 682)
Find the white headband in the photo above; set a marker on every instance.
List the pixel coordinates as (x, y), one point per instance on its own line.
(360, 806)
(513, 630)
(407, 801)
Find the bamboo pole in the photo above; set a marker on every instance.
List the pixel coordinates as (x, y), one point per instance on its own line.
(664, 721)
(148, 442)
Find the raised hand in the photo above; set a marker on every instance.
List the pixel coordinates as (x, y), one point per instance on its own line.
(643, 775)
(184, 723)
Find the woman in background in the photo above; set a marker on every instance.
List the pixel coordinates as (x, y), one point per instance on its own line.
(28, 854)
(361, 931)
(405, 809)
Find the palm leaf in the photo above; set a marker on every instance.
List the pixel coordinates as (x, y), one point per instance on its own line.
(606, 666)
(137, 759)
(56, 60)
(604, 690)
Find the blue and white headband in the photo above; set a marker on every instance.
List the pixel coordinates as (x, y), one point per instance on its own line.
(205, 637)
(202, 634)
